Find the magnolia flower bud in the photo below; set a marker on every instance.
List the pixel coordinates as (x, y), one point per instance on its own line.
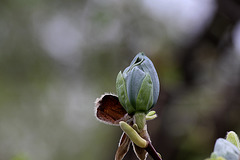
(138, 85)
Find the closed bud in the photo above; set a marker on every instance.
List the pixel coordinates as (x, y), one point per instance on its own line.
(138, 85)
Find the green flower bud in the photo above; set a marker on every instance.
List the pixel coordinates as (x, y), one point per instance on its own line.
(138, 85)
(226, 149)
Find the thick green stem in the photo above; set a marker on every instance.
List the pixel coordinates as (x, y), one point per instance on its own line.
(140, 120)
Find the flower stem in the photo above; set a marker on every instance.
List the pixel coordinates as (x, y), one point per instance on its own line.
(140, 120)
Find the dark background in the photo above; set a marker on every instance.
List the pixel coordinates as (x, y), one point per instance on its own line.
(57, 57)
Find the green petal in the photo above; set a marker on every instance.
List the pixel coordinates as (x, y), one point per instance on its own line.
(133, 84)
(145, 95)
(148, 67)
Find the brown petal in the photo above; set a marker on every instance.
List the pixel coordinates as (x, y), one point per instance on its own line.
(109, 109)
(140, 152)
(123, 147)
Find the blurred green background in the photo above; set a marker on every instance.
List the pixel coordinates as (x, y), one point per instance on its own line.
(57, 57)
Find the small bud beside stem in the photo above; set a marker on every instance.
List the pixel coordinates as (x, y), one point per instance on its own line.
(133, 135)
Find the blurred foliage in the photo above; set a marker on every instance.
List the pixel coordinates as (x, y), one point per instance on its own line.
(57, 57)
(19, 157)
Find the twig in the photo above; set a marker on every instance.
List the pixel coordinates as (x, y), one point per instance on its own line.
(152, 152)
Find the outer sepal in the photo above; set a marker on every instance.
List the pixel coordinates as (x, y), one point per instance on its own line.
(109, 110)
(145, 95)
(122, 93)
